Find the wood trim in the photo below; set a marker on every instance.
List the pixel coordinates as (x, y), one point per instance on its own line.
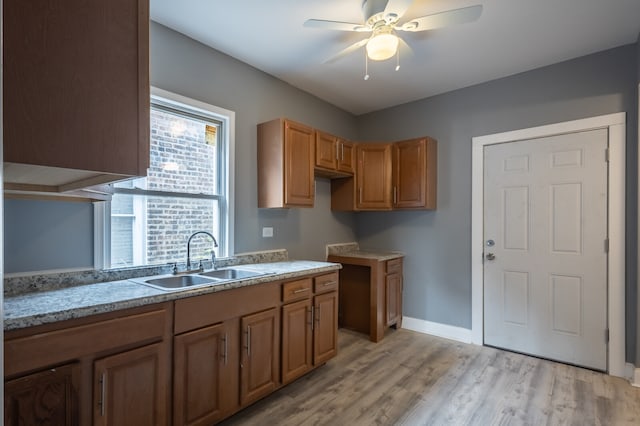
(615, 123)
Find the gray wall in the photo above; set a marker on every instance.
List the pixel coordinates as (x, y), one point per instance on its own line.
(181, 65)
(438, 244)
(42, 235)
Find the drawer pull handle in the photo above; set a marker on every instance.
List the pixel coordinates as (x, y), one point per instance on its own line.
(225, 353)
(248, 341)
(300, 290)
(328, 283)
(103, 389)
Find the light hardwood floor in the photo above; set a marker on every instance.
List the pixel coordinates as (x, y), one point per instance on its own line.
(415, 379)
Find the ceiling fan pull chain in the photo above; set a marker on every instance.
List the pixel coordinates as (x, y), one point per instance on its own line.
(398, 60)
(366, 66)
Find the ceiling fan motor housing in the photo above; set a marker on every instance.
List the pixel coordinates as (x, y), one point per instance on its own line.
(373, 11)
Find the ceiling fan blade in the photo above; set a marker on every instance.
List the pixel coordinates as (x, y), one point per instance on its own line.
(346, 51)
(397, 7)
(335, 25)
(443, 19)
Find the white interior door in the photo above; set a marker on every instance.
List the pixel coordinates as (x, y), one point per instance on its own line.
(545, 231)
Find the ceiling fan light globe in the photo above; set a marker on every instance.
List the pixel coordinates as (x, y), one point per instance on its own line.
(382, 47)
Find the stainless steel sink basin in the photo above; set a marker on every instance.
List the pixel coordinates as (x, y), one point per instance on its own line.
(231, 274)
(177, 282)
(181, 282)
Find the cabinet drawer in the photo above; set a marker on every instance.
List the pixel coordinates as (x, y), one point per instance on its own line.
(394, 265)
(325, 283)
(295, 290)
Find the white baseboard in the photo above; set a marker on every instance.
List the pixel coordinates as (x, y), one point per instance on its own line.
(632, 374)
(436, 329)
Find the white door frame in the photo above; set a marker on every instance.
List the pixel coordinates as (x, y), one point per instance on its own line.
(615, 124)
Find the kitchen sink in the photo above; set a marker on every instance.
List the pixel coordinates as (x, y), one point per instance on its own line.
(177, 282)
(231, 274)
(181, 282)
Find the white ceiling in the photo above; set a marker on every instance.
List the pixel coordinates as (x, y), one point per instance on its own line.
(511, 36)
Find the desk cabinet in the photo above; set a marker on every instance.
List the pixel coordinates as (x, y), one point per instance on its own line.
(370, 293)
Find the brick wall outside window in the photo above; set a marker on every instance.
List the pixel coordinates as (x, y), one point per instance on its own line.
(176, 142)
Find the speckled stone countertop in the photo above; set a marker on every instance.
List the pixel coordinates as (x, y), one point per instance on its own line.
(353, 250)
(42, 307)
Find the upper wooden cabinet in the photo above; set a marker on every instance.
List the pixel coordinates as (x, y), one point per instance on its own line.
(76, 93)
(414, 174)
(285, 164)
(334, 156)
(370, 189)
(373, 177)
(398, 176)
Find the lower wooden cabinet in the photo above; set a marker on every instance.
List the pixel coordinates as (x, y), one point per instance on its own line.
(310, 327)
(205, 374)
(393, 292)
(260, 355)
(325, 332)
(118, 369)
(130, 388)
(47, 397)
(297, 340)
(110, 369)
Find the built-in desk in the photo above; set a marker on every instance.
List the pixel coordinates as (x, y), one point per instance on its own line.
(370, 294)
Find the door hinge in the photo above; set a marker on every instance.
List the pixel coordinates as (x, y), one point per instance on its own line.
(606, 245)
(606, 155)
(606, 336)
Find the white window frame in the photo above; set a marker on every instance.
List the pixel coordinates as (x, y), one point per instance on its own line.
(102, 210)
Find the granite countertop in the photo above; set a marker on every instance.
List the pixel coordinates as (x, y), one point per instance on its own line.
(353, 250)
(372, 255)
(42, 307)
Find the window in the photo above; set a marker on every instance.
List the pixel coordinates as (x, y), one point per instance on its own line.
(188, 188)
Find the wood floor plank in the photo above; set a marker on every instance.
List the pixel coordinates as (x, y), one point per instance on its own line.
(415, 379)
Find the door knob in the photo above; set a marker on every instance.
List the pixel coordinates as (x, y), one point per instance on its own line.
(490, 256)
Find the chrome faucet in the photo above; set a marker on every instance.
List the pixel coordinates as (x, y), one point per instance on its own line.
(213, 252)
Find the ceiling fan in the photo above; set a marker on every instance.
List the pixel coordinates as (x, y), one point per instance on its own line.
(381, 20)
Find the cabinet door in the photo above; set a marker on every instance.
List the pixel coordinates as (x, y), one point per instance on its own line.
(47, 397)
(299, 183)
(131, 388)
(326, 150)
(260, 355)
(373, 177)
(90, 109)
(346, 156)
(201, 359)
(325, 332)
(393, 298)
(297, 339)
(414, 174)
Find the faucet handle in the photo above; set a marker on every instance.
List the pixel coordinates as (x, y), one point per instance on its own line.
(174, 268)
